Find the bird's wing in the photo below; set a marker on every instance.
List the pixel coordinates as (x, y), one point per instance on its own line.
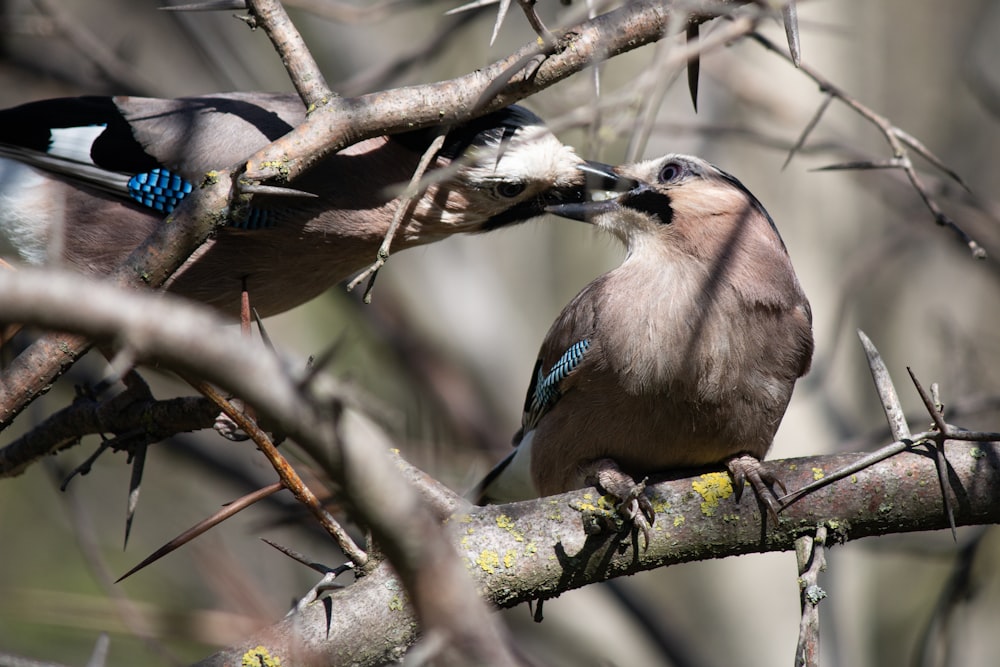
(193, 135)
(569, 346)
(147, 149)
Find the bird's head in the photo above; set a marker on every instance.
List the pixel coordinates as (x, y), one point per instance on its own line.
(503, 169)
(691, 205)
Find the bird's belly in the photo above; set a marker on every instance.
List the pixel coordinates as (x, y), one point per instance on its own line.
(645, 435)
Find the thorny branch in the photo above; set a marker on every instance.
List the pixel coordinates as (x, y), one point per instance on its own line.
(900, 142)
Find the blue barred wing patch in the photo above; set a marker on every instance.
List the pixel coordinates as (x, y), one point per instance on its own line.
(547, 390)
(162, 190)
(159, 189)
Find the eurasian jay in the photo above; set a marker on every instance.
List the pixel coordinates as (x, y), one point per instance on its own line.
(89, 178)
(685, 355)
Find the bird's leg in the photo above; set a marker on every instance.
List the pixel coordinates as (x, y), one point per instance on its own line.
(745, 468)
(633, 505)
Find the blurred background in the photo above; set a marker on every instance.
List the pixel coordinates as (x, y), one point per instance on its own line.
(444, 352)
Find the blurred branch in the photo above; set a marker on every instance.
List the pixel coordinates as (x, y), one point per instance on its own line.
(162, 329)
(137, 420)
(32, 372)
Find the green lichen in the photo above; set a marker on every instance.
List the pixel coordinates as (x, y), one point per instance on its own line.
(396, 603)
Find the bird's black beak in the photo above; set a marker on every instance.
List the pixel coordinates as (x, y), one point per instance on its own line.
(603, 177)
(601, 187)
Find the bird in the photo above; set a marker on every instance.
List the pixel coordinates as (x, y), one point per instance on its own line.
(683, 356)
(84, 180)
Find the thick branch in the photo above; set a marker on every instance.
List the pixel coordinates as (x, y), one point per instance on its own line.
(528, 550)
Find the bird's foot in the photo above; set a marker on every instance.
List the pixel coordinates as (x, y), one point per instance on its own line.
(632, 503)
(746, 468)
(229, 429)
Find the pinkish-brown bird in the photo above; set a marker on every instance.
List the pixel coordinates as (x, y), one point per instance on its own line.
(683, 356)
(85, 180)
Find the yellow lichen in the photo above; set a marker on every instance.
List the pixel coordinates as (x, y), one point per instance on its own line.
(678, 520)
(818, 473)
(508, 559)
(488, 561)
(259, 656)
(712, 487)
(506, 523)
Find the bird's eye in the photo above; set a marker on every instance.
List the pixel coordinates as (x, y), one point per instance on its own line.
(671, 171)
(509, 190)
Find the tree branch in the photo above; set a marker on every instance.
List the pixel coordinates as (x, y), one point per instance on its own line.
(538, 549)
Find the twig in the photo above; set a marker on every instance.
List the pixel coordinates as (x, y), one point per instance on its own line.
(938, 448)
(811, 560)
(403, 212)
(289, 478)
(302, 68)
(898, 141)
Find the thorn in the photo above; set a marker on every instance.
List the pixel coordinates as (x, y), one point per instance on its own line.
(693, 66)
(501, 15)
(862, 165)
(318, 567)
(887, 394)
(273, 191)
(477, 4)
(134, 486)
(204, 525)
(536, 615)
(207, 6)
(263, 332)
(789, 15)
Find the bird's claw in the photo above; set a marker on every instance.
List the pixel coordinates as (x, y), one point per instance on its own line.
(633, 505)
(746, 468)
